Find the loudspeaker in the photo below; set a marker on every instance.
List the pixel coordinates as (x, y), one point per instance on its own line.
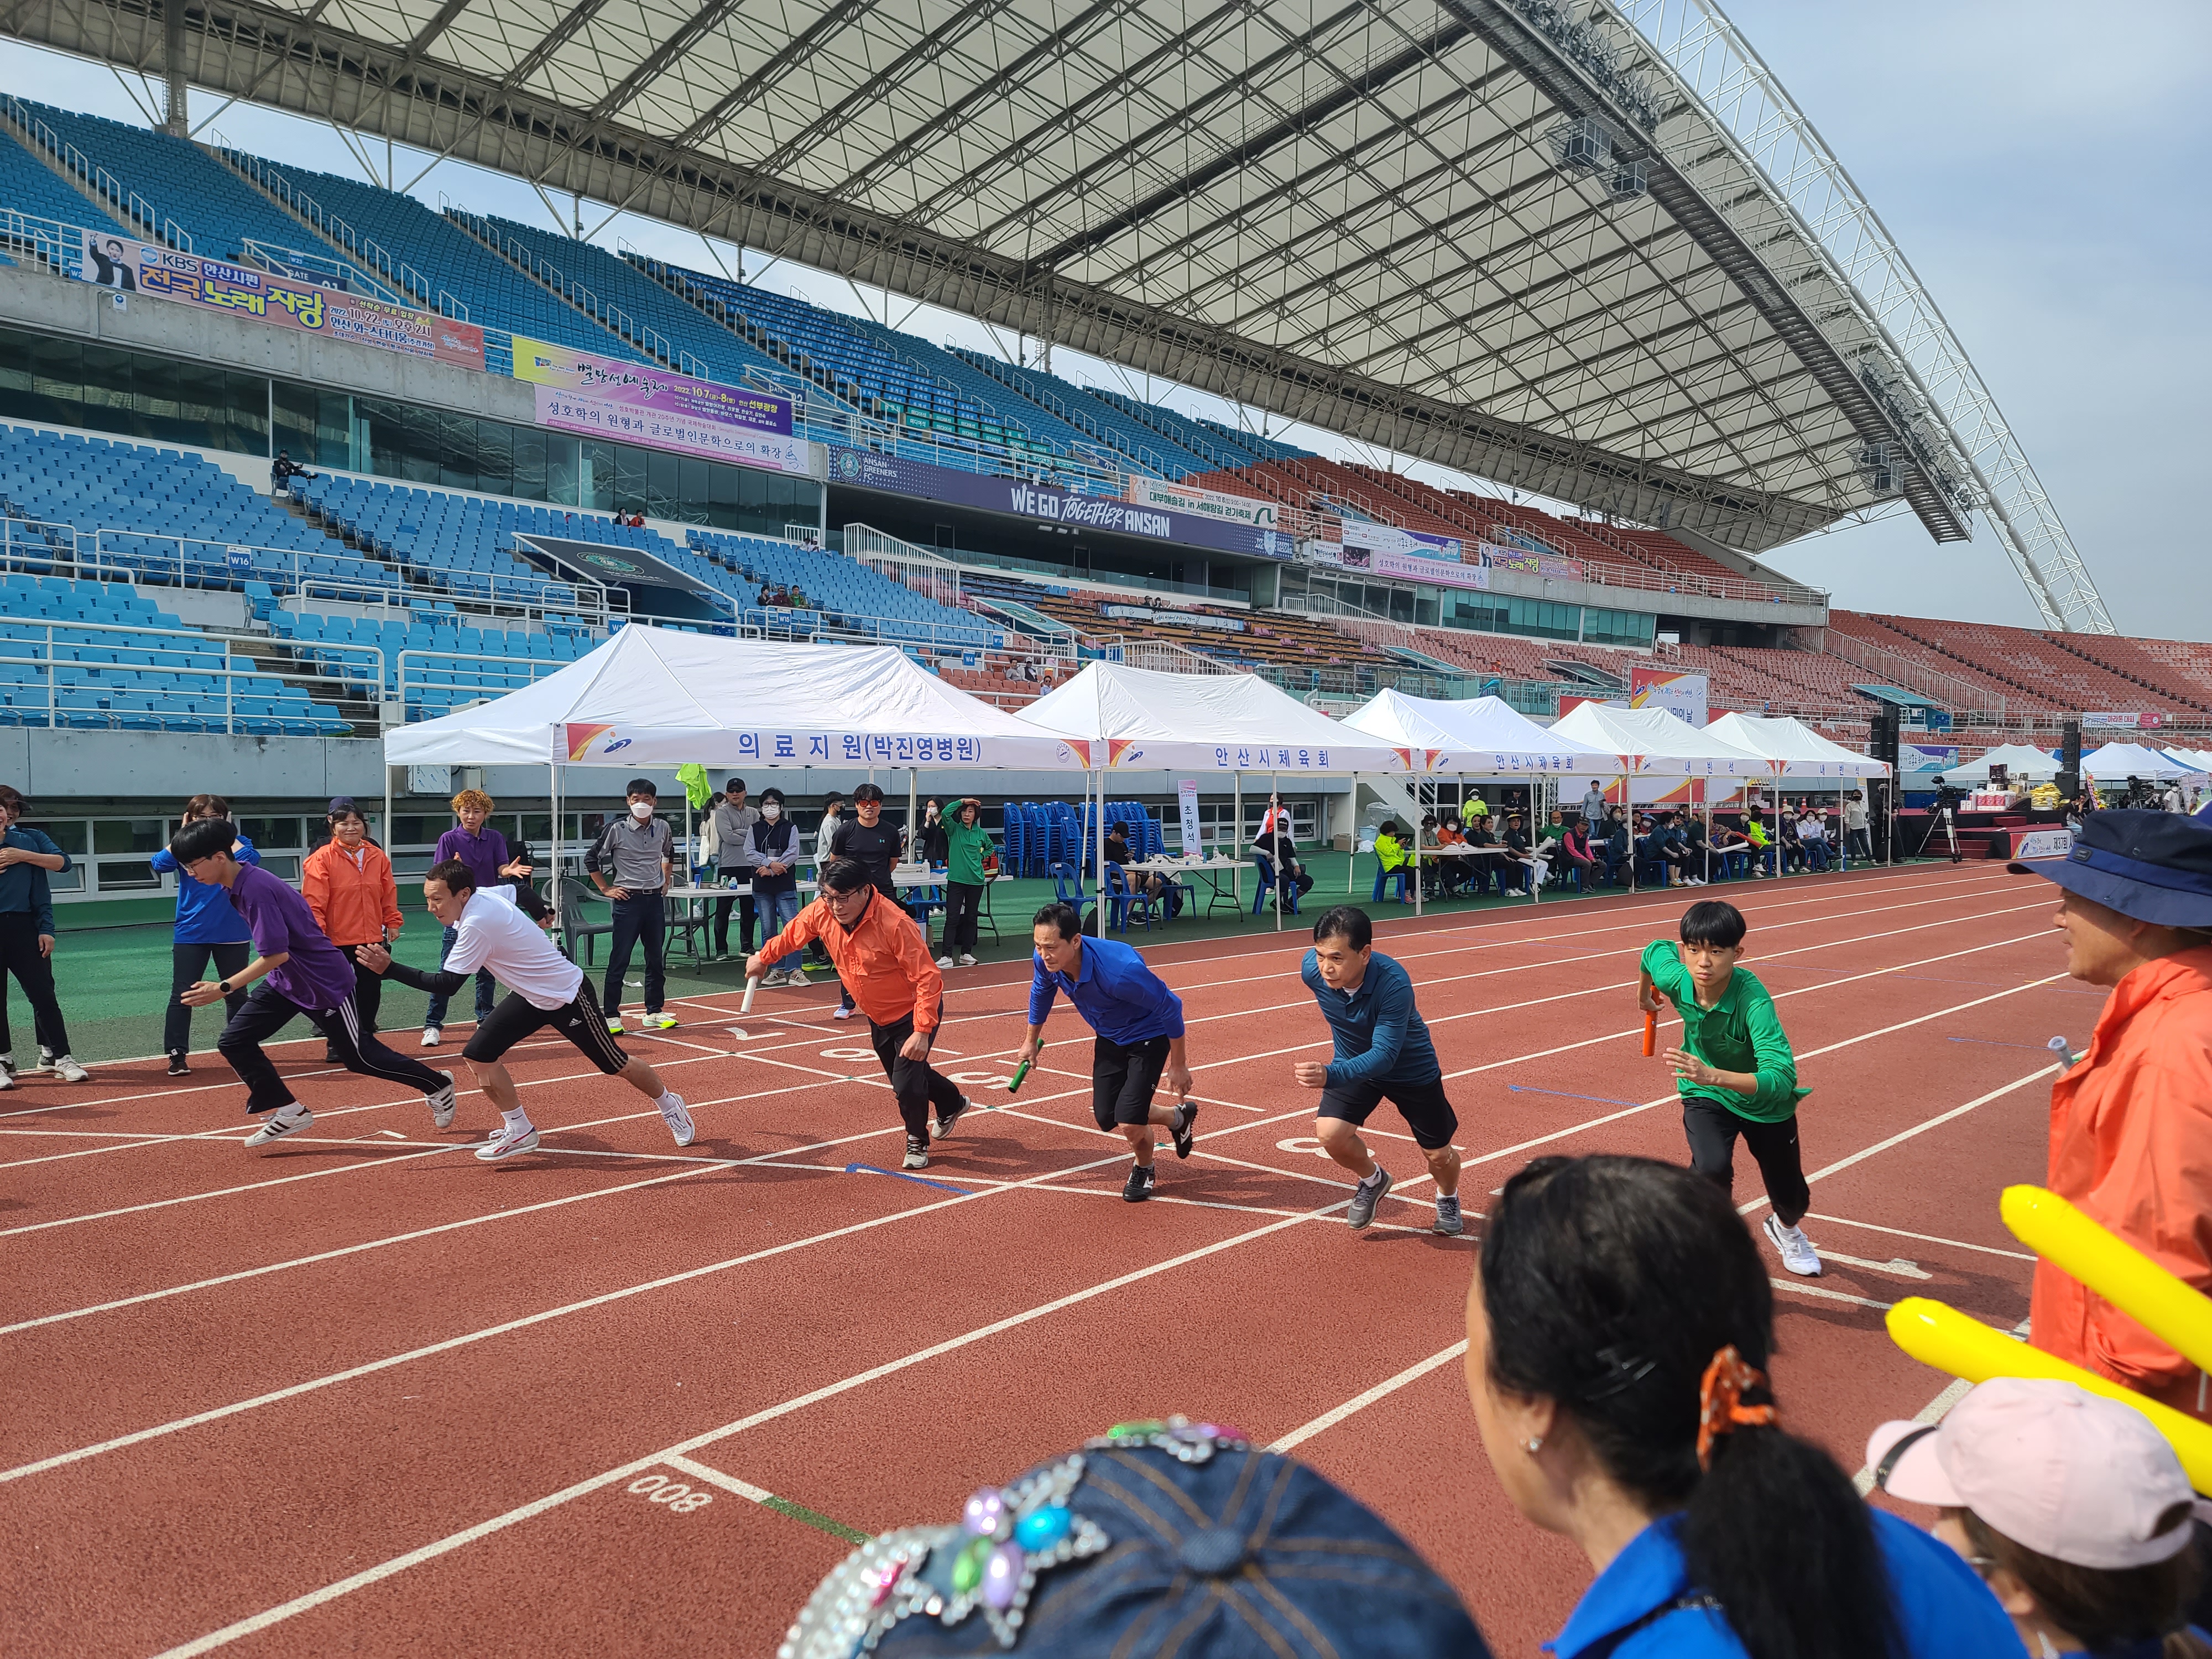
(2069, 759)
(1887, 722)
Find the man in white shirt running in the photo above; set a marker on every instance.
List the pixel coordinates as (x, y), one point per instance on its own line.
(545, 989)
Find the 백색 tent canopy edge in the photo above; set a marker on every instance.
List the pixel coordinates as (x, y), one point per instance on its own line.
(1476, 736)
(1115, 717)
(1797, 752)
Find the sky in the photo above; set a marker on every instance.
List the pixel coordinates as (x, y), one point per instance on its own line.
(2043, 178)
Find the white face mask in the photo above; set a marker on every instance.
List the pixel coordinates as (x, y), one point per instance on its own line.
(641, 809)
(771, 811)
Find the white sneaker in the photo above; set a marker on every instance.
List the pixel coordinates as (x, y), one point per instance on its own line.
(45, 1059)
(966, 960)
(432, 1036)
(840, 1011)
(442, 1103)
(278, 1127)
(796, 976)
(1797, 1251)
(7, 1079)
(678, 1119)
(508, 1142)
(70, 1071)
(661, 1022)
(945, 961)
(615, 1027)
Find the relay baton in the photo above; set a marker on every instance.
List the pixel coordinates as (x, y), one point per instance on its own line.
(1943, 1337)
(1014, 1084)
(2166, 1306)
(752, 984)
(1650, 1035)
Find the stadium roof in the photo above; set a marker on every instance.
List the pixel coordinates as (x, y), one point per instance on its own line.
(1589, 252)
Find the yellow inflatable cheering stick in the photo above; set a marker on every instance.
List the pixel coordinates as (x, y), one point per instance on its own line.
(1946, 1338)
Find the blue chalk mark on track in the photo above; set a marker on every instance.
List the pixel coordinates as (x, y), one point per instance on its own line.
(900, 1175)
(1602, 1100)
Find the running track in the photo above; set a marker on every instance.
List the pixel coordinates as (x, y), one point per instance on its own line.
(363, 1393)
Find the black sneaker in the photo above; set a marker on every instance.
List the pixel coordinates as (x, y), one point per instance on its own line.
(177, 1067)
(1185, 1116)
(917, 1152)
(945, 1123)
(1138, 1187)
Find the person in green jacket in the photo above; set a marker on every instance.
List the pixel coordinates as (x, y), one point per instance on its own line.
(1390, 852)
(967, 844)
(1733, 1067)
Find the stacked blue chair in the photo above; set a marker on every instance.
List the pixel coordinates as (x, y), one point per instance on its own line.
(832, 585)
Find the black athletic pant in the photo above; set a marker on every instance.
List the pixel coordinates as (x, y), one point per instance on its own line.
(367, 991)
(1712, 1129)
(268, 1011)
(961, 904)
(188, 966)
(639, 919)
(918, 1085)
(19, 955)
(748, 915)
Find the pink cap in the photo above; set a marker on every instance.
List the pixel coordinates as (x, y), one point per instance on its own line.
(2059, 1470)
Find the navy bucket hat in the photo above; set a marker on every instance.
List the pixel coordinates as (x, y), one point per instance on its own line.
(1157, 1536)
(2153, 866)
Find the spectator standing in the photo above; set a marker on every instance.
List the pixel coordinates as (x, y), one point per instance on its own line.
(775, 877)
(207, 927)
(832, 814)
(1856, 841)
(485, 852)
(966, 845)
(929, 845)
(1593, 803)
(873, 844)
(638, 850)
(2132, 1119)
(733, 821)
(2071, 1507)
(2172, 800)
(1619, 1332)
(349, 889)
(27, 858)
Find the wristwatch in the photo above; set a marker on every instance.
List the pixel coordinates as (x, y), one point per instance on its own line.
(223, 985)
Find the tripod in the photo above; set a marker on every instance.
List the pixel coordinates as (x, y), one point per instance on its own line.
(1950, 833)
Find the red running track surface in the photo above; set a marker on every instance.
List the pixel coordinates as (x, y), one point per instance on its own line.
(361, 1393)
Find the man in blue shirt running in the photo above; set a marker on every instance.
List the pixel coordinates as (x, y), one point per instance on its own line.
(1138, 1022)
(1383, 1053)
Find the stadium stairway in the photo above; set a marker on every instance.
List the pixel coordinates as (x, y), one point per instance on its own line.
(30, 185)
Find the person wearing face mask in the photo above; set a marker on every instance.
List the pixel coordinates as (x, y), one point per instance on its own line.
(206, 927)
(873, 844)
(775, 877)
(638, 849)
(929, 844)
(349, 885)
(733, 822)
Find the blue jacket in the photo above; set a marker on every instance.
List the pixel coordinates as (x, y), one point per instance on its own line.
(1380, 1036)
(1942, 1610)
(24, 886)
(1120, 998)
(204, 914)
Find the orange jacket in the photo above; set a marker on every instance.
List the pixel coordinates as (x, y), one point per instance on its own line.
(353, 905)
(2131, 1147)
(884, 962)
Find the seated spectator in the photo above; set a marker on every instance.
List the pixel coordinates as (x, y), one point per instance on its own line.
(1516, 842)
(1793, 850)
(1581, 857)
(1671, 847)
(1480, 870)
(1813, 836)
(1547, 848)
(283, 470)
(2072, 1508)
(1281, 848)
(1619, 1329)
(1397, 863)
(1118, 852)
(1728, 839)
(1761, 845)
(1700, 863)
(1616, 843)
(1451, 872)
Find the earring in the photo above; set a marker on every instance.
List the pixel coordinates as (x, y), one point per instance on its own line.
(1535, 1444)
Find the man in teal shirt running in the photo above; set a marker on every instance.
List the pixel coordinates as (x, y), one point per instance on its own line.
(1733, 1067)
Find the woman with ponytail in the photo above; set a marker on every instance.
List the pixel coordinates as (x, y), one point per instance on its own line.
(1619, 1332)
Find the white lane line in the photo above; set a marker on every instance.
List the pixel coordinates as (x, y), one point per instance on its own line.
(715, 1477)
(1925, 1238)
(1801, 1288)
(1329, 1419)
(1896, 1267)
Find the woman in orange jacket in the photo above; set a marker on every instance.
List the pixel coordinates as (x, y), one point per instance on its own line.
(348, 884)
(2132, 1119)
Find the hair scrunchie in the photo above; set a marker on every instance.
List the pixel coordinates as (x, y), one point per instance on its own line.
(1721, 1409)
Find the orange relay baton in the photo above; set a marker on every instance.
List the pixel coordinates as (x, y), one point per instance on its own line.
(1650, 1035)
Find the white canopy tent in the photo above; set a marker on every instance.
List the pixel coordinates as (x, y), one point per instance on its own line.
(2019, 760)
(1480, 737)
(660, 698)
(1652, 743)
(2115, 763)
(1112, 717)
(1799, 755)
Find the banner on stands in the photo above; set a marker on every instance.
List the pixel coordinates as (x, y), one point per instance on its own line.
(643, 403)
(1186, 802)
(282, 301)
(1389, 538)
(2140, 720)
(1173, 618)
(1683, 695)
(1927, 757)
(1207, 503)
(1537, 564)
(1400, 566)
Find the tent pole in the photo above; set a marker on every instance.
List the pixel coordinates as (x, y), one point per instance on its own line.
(1628, 817)
(1352, 858)
(1274, 799)
(1416, 793)
(1098, 868)
(913, 822)
(1236, 840)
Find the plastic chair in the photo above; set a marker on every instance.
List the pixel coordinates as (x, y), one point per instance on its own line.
(1289, 887)
(1122, 903)
(1067, 885)
(1402, 874)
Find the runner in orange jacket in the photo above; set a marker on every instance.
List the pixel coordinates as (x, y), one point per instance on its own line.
(2131, 1121)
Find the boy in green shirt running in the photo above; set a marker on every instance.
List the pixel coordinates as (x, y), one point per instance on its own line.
(1733, 1067)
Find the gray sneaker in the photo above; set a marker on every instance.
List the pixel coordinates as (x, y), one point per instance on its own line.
(1448, 1221)
(1365, 1197)
(946, 1121)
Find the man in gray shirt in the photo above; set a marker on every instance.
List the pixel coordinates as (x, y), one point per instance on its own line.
(636, 850)
(735, 858)
(1593, 804)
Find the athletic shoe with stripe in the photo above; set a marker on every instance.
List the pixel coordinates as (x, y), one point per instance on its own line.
(917, 1153)
(944, 1124)
(662, 1021)
(508, 1142)
(1138, 1187)
(1797, 1251)
(275, 1128)
(1366, 1196)
(678, 1119)
(1185, 1116)
(442, 1103)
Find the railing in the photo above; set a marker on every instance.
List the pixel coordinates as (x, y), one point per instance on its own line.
(55, 243)
(811, 625)
(1895, 668)
(927, 573)
(547, 275)
(103, 184)
(87, 703)
(412, 285)
(326, 269)
(421, 672)
(1053, 404)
